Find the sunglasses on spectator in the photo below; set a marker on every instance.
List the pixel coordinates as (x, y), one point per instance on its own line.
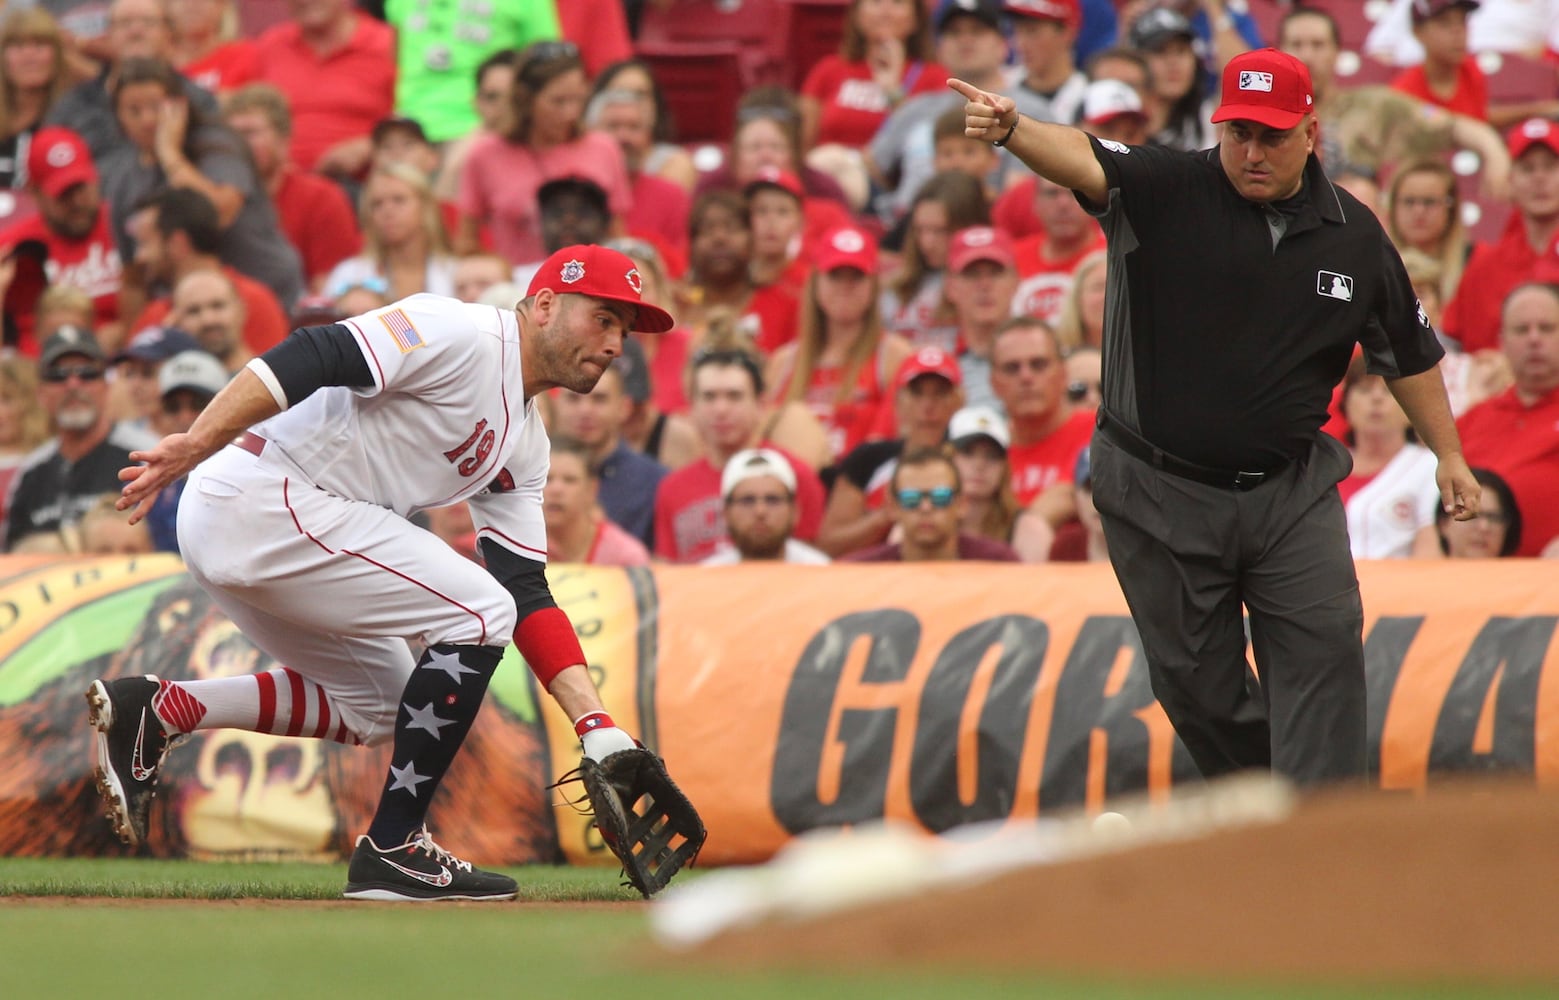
(86, 373)
(941, 497)
(775, 500)
(1078, 391)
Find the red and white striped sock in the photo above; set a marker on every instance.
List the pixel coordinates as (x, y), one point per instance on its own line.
(282, 702)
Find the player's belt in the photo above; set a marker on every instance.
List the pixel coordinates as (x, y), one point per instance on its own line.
(251, 442)
(1134, 445)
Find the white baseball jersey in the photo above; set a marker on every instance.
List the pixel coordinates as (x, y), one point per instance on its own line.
(1386, 512)
(445, 420)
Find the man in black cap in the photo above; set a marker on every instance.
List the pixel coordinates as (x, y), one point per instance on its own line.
(573, 210)
(137, 367)
(61, 480)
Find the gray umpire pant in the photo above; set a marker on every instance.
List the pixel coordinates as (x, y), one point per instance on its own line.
(1188, 556)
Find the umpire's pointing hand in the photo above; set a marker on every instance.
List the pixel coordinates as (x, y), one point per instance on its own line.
(986, 116)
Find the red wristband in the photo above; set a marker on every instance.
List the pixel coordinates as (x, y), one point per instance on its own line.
(591, 721)
(547, 641)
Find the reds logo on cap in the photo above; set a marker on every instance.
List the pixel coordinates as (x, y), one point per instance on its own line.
(573, 271)
(1252, 80)
(1536, 128)
(979, 236)
(849, 241)
(61, 154)
(634, 281)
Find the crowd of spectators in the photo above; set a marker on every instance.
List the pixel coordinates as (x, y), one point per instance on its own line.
(889, 333)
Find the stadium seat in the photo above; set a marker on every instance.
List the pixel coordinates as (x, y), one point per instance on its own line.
(701, 83)
(757, 29)
(1355, 70)
(1353, 17)
(1515, 78)
(816, 27)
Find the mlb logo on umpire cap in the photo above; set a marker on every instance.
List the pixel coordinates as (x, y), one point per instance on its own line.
(1254, 80)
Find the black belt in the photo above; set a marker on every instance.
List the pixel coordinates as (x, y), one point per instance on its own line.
(1225, 479)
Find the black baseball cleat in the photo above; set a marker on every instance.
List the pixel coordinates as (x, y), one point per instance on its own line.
(419, 871)
(131, 747)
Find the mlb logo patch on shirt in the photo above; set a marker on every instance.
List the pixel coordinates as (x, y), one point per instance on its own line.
(1251, 79)
(402, 330)
(1334, 285)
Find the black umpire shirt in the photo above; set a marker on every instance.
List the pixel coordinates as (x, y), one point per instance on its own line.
(1229, 323)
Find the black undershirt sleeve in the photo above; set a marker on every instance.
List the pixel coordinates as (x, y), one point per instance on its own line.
(316, 356)
(524, 579)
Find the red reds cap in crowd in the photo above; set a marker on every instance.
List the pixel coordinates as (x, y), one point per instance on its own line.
(1068, 12)
(977, 243)
(600, 273)
(1533, 132)
(1107, 100)
(846, 246)
(1266, 86)
(776, 178)
(1423, 10)
(58, 160)
(929, 360)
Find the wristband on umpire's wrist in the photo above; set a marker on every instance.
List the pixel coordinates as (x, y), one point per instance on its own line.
(999, 143)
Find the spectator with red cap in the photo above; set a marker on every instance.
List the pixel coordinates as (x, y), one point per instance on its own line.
(1527, 248)
(927, 392)
(841, 361)
(1047, 262)
(1216, 485)
(982, 278)
(337, 67)
(69, 241)
(1043, 32)
(1516, 433)
(776, 204)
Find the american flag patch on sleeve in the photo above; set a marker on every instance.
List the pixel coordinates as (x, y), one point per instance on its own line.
(402, 331)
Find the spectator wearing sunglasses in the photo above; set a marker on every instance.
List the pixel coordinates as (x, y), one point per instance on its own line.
(758, 488)
(63, 478)
(187, 383)
(926, 501)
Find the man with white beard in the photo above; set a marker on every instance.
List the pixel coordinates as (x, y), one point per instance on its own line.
(67, 474)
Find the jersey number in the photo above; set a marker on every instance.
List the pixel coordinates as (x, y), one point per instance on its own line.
(483, 439)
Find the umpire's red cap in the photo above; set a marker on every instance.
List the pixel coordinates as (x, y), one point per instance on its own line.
(601, 273)
(1266, 86)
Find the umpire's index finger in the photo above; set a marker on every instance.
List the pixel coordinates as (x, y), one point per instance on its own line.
(969, 91)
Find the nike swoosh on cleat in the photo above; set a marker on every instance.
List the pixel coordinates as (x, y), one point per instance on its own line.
(442, 879)
(138, 769)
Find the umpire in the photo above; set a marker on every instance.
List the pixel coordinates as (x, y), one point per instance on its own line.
(1240, 281)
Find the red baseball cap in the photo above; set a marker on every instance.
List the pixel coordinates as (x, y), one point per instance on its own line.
(1266, 86)
(846, 246)
(977, 243)
(58, 159)
(929, 360)
(776, 178)
(1068, 12)
(1424, 10)
(600, 273)
(1533, 132)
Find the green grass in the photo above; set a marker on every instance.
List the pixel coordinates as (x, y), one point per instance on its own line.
(241, 947)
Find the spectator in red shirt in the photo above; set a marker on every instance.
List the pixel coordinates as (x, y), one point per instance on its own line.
(927, 504)
(912, 301)
(719, 279)
(1449, 76)
(767, 133)
(206, 45)
(315, 214)
(176, 233)
(1473, 317)
(1516, 433)
(1029, 378)
(660, 205)
(727, 409)
(1047, 262)
(656, 152)
(337, 67)
(776, 206)
(841, 361)
(885, 56)
(69, 242)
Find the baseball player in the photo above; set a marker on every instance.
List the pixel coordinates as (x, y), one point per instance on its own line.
(302, 474)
